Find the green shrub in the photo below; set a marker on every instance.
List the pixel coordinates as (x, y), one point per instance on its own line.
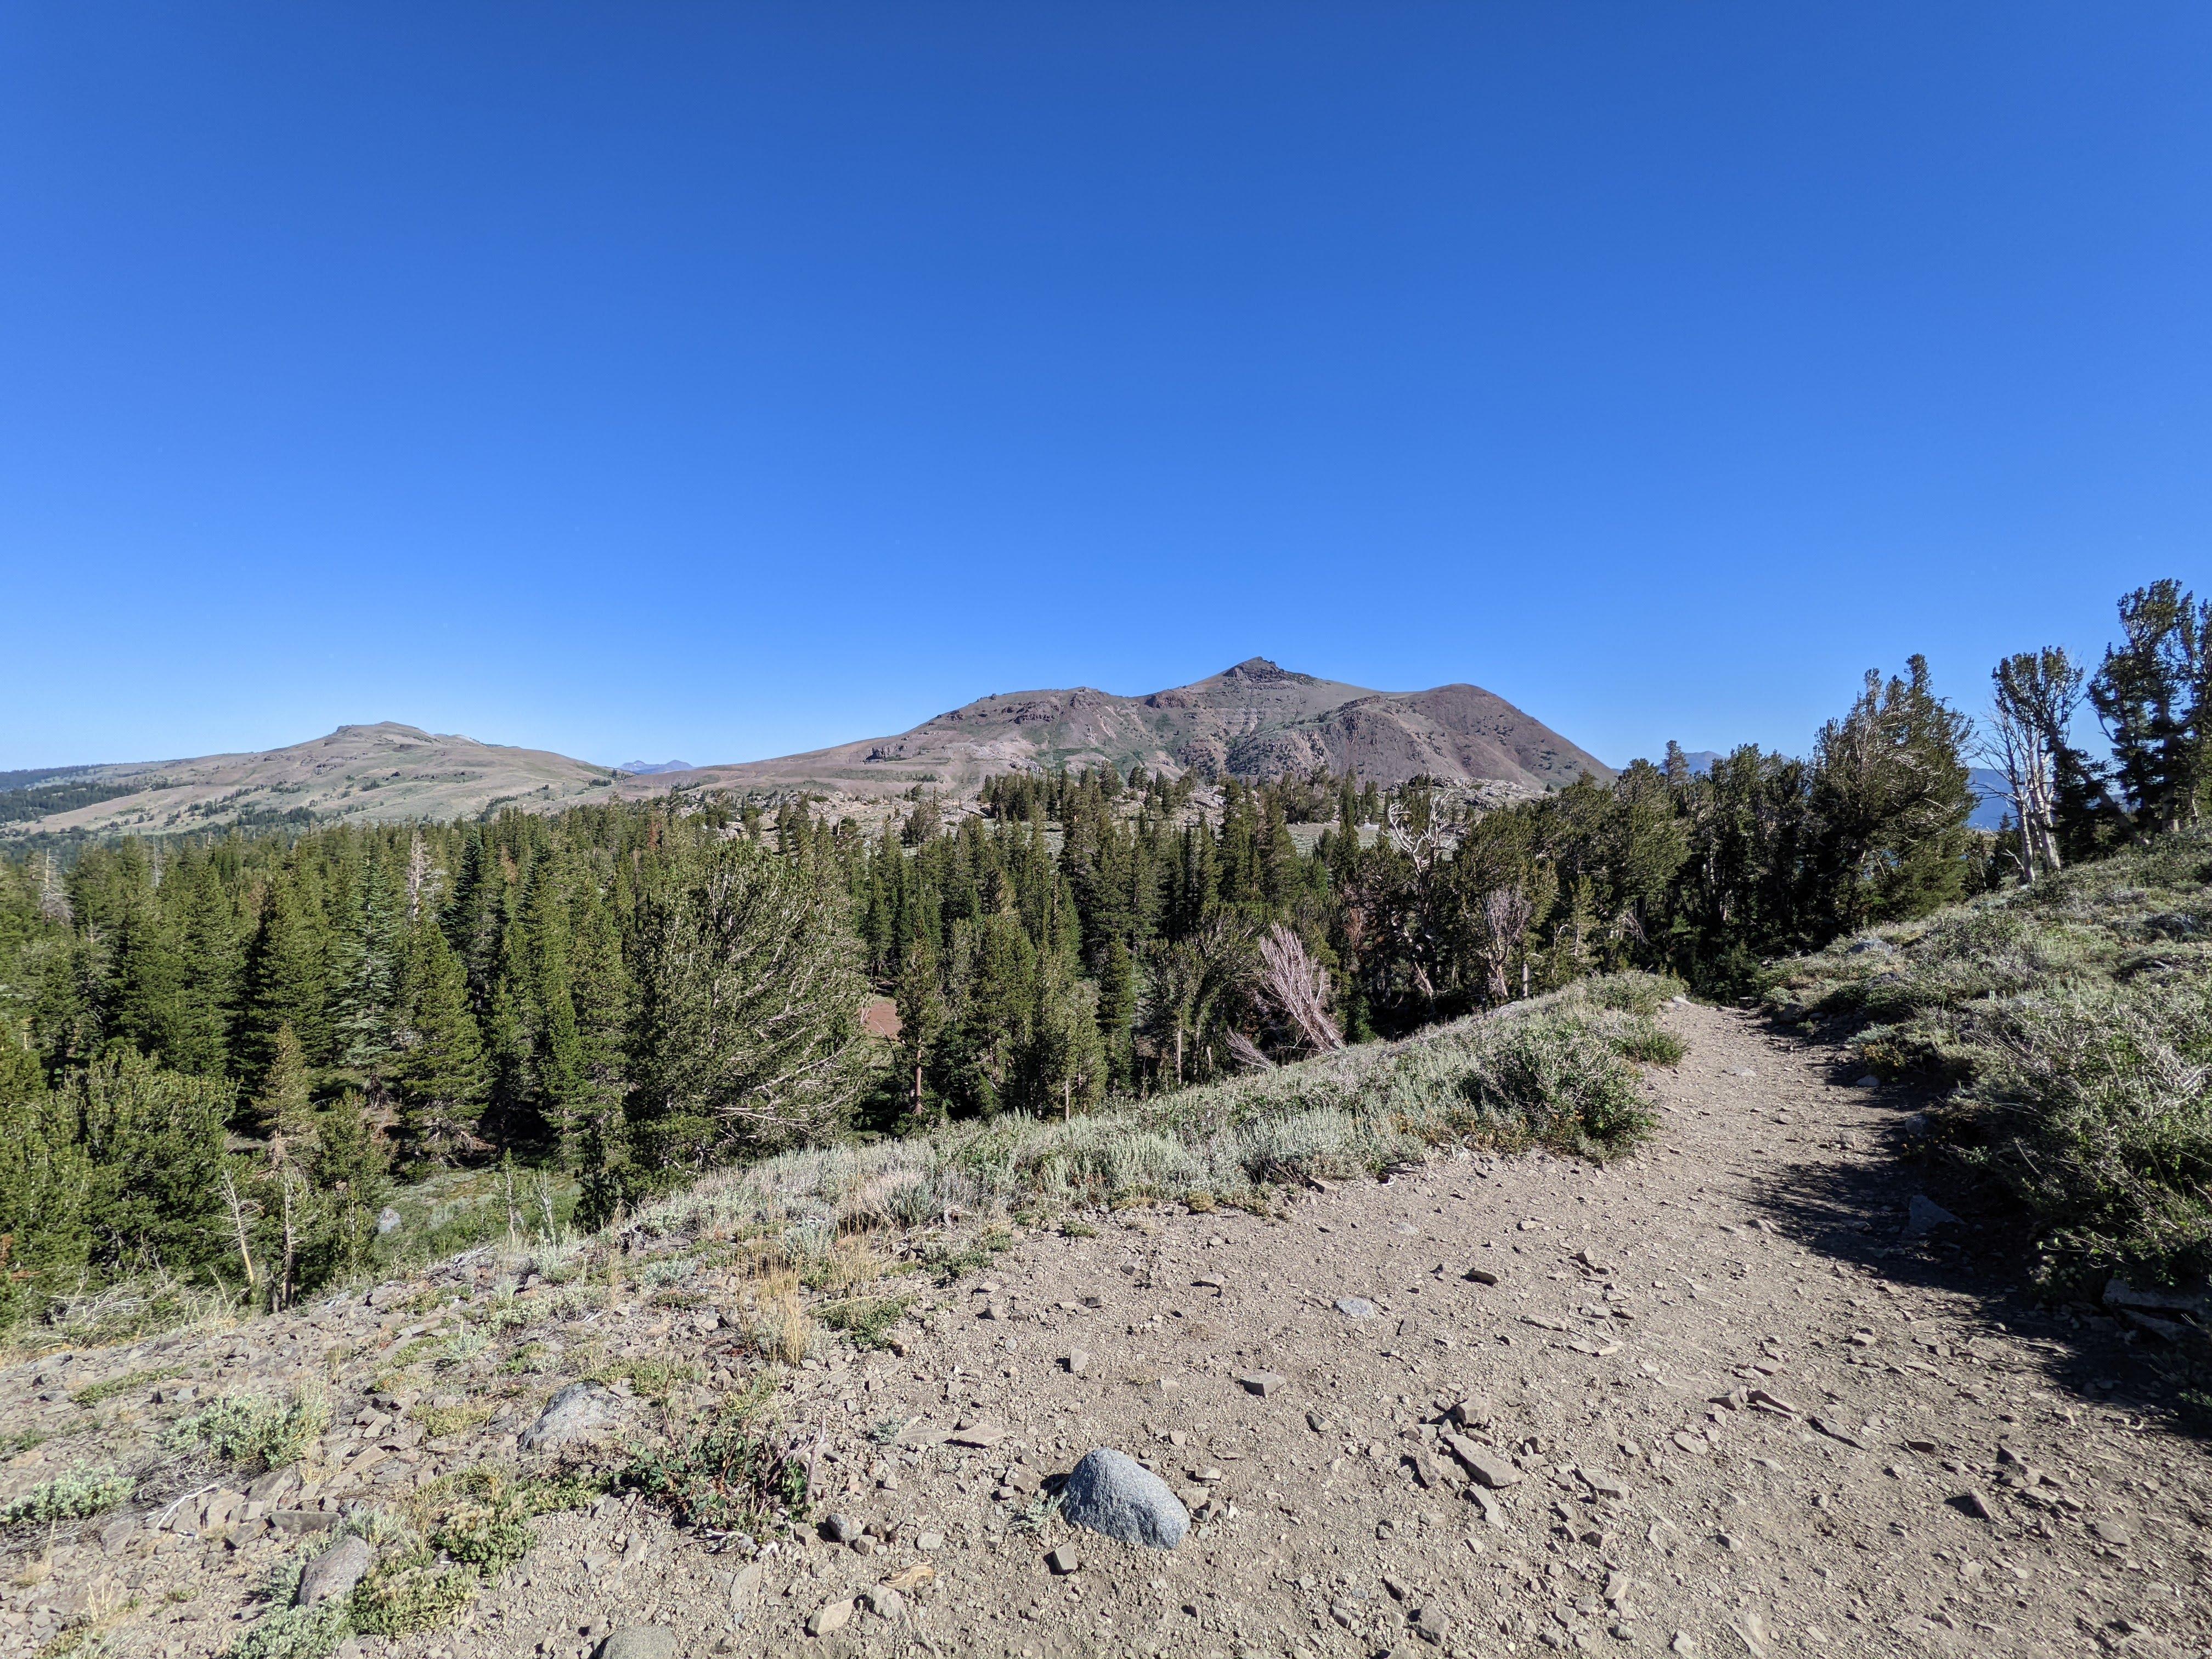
(1642, 1040)
(2070, 1025)
(70, 1497)
(866, 1319)
(98, 1393)
(487, 1526)
(2095, 1107)
(297, 1632)
(734, 1477)
(253, 1430)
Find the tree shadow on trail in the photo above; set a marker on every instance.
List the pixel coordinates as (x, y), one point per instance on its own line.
(1859, 1213)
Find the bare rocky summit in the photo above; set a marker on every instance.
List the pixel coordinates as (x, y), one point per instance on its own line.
(1739, 1395)
(1256, 719)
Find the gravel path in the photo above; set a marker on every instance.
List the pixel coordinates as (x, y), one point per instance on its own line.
(1734, 1396)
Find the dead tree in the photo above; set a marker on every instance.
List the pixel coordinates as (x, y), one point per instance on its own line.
(2036, 693)
(1506, 913)
(1298, 986)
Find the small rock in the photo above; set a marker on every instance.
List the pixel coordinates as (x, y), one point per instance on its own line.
(1064, 1560)
(296, 1521)
(830, 1618)
(1430, 1625)
(1111, 1492)
(1075, 1361)
(334, 1573)
(1481, 1276)
(2112, 1532)
(884, 1601)
(863, 1544)
(1487, 1467)
(1869, 1081)
(1263, 1383)
(580, 1412)
(1976, 1504)
(1923, 1215)
(640, 1642)
(1355, 1307)
(1684, 1643)
(929, 1542)
(839, 1528)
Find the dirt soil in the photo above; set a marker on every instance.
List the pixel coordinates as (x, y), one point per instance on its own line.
(1738, 1396)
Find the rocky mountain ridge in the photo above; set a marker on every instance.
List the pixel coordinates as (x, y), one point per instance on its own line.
(1256, 719)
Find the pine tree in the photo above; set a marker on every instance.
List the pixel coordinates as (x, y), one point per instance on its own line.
(923, 1020)
(349, 1168)
(1060, 1063)
(284, 1108)
(746, 1034)
(1117, 1015)
(1891, 794)
(442, 1072)
(147, 1002)
(2154, 694)
(284, 983)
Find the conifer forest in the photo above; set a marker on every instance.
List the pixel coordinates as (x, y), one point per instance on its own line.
(228, 1054)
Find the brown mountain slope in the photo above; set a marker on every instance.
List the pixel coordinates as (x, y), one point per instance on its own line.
(362, 773)
(1255, 719)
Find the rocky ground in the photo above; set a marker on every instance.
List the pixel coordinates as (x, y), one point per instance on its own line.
(1740, 1394)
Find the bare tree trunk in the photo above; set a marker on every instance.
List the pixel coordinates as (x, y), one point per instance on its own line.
(283, 1297)
(237, 1208)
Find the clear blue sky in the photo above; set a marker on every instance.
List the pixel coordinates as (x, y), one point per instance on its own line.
(717, 380)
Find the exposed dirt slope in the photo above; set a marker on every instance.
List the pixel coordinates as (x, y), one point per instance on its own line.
(1740, 1404)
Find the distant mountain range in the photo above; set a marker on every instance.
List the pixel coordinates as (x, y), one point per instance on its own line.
(1255, 719)
(364, 773)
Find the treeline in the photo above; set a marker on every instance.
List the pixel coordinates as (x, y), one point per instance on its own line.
(220, 1053)
(284, 1020)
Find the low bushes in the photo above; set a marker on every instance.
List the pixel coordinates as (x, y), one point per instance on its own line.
(253, 1431)
(1558, 1070)
(71, 1497)
(2070, 1026)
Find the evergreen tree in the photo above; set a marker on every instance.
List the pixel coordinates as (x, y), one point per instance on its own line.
(283, 1108)
(1060, 1063)
(2154, 694)
(747, 1026)
(923, 1021)
(1891, 793)
(441, 1071)
(349, 1168)
(284, 983)
(1117, 1015)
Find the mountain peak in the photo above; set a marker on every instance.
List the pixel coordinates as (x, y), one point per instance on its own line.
(1262, 672)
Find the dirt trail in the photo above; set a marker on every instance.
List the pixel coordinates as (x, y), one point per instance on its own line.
(1738, 1407)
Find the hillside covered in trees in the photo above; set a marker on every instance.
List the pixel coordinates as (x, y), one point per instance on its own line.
(224, 1051)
